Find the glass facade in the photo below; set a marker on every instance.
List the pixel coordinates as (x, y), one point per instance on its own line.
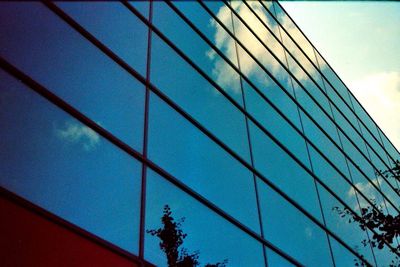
(224, 111)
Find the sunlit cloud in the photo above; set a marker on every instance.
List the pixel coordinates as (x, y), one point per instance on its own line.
(368, 190)
(379, 93)
(77, 133)
(225, 75)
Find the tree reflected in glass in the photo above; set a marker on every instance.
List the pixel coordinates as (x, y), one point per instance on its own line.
(171, 239)
(386, 226)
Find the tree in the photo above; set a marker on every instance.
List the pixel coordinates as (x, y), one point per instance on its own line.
(171, 239)
(385, 226)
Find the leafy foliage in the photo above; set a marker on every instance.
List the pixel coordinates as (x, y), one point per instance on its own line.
(386, 226)
(171, 239)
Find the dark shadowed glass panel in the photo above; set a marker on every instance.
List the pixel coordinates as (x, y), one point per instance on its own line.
(65, 167)
(198, 97)
(185, 152)
(116, 27)
(51, 52)
(213, 237)
(291, 231)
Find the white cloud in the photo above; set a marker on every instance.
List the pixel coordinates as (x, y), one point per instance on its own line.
(225, 75)
(379, 93)
(368, 190)
(77, 133)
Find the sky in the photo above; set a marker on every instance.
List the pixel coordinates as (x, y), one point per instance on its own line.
(360, 40)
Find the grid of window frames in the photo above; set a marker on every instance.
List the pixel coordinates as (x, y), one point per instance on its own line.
(224, 111)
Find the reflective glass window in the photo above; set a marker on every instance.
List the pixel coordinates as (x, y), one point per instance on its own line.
(291, 231)
(274, 122)
(65, 167)
(275, 260)
(115, 26)
(185, 152)
(324, 144)
(287, 23)
(213, 237)
(279, 168)
(168, 21)
(348, 231)
(52, 53)
(186, 87)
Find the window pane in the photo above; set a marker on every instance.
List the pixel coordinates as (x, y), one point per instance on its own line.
(185, 152)
(274, 260)
(349, 232)
(278, 167)
(115, 26)
(204, 56)
(65, 167)
(51, 52)
(291, 231)
(208, 233)
(186, 87)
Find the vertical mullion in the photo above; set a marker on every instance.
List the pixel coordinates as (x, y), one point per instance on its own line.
(306, 143)
(346, 160)
(249, 141)
(145, 137)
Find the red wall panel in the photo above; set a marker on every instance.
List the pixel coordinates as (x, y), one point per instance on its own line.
(29, 239)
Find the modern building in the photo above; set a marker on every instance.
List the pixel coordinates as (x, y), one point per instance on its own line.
(224, 111)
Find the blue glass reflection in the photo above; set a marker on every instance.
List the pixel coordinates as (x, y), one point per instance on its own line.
(65, 167)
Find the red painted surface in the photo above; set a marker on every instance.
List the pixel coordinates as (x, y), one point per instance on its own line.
(28, 239)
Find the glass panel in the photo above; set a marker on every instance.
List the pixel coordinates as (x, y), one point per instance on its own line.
(214, 238)
(291, 231)
(115, 26)
(198, 97)
(349, 130)
(342, 256)
(330, 177)
(324, 144)
(67, 168)
(185, 152)
(333, 80)
(275, 260)
(254, 46)
(141, 6)
(293, 31)
(167, 21)
(279, 168)
(51, 52)
(349, 232)
(274, 123)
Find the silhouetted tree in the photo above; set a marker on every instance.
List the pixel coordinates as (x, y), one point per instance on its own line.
(386, 226)
(171, 239)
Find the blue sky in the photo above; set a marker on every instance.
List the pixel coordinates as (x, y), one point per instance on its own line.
(360, 40)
